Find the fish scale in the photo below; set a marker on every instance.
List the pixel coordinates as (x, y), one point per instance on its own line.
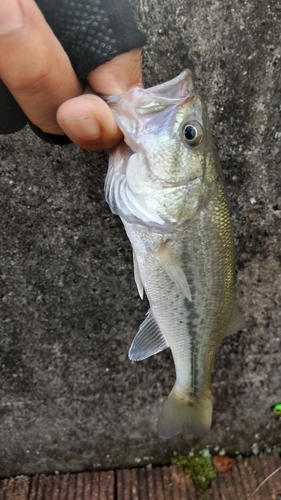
(174, 208)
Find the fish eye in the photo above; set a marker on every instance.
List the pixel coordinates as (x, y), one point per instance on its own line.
(192, 133)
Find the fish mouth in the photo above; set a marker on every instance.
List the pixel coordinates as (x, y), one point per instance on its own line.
(182, 85)
(179, 88)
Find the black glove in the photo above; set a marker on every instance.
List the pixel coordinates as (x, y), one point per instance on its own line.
(91, 32)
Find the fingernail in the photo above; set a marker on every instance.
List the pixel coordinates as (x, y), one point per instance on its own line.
(84, 127)
(10, 16)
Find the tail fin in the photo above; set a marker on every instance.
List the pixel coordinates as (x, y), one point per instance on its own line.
(185, 413)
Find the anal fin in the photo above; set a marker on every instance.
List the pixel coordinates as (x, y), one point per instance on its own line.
(148, 341)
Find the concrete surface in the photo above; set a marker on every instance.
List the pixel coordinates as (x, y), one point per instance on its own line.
(69, 397)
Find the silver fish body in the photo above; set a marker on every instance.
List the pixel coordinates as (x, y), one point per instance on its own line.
(166, 184)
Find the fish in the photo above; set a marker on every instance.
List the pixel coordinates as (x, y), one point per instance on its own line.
(166, 184)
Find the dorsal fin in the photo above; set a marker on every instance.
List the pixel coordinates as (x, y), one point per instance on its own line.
(148, 341)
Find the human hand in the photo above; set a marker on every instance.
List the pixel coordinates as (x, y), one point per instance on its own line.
(38, 73)
(87, 119)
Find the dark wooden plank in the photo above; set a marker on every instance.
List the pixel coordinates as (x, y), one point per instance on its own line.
(33, 488)
(22, 488)
(42, 486)
(143, 492)
(270, 478)
(245, 479)
(242, 478)
(135, 484)
(71, 492)
(251, 479)
(4, 488)
(158, 483)
(215, 492)
(261, 475)
(119, 483)
(123, 481)
(81, 486)
(161, 483)
(107, 484)
(87, 494)
(247, 476)
(236, 481)
(56, 480)
(225, 486)
(62, 487)
(191, 489)
(49, 488)
(15, 489)
(79, 493)
(182, 483)
(175, 480)
(274, 481)
(150, 486)
(166, 482)
(95, 485)
(228, 486)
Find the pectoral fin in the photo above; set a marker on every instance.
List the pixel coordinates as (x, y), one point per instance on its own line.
(148, 341)
(137, 276)
(173, 269)
(236, 322)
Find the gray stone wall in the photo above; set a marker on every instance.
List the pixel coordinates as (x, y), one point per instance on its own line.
(69, 397)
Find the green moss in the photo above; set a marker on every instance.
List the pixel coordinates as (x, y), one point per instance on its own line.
(200, 469)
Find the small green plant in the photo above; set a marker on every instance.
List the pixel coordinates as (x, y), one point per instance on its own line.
(277, 410)
(201, 471)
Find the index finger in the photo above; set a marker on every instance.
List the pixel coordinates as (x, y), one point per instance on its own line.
(33, 64)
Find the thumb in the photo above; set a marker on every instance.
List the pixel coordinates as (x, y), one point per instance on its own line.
(87, 119)
(117, 75)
